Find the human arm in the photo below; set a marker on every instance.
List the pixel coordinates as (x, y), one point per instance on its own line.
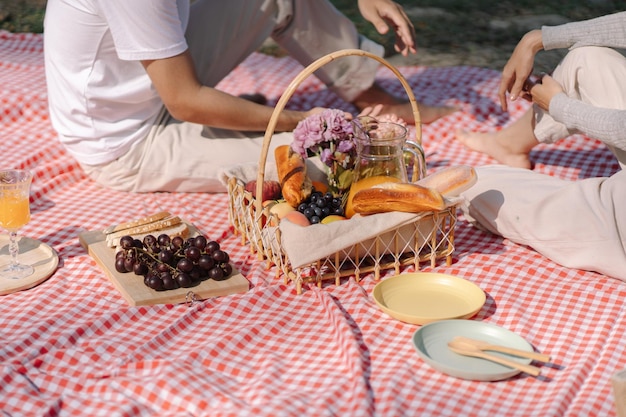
(187, 99)
(609, 30)
(385, 13)
(606, 125)
(519, 67)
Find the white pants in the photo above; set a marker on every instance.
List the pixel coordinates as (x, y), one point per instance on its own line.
(187, 157)
(578, 224)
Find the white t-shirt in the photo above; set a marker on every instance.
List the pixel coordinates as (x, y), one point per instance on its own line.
(101, 98)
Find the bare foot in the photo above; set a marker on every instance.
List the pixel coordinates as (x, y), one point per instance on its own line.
(376, 95)
(501, 148)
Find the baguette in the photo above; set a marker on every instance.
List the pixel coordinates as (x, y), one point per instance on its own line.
(158, 226)
(295, 184)
(179, 229)
(450, 181)
(137, 222)
(404, 197)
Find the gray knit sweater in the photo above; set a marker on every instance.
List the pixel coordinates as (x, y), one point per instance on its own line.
(606, 125)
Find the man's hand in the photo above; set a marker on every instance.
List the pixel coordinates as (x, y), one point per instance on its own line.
(385, 13)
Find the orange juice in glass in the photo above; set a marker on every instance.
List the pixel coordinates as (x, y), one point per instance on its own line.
(14, 213)
(14, 210)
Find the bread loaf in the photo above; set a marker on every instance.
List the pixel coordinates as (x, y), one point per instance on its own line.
(450, 181)
(404, 197)
(295, 184)
(179, 229)
(139, 228)
(137, 222)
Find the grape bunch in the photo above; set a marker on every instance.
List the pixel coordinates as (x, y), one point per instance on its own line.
(320, 205)
(170, 263)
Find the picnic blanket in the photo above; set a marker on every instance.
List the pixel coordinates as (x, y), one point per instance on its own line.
(73, 346)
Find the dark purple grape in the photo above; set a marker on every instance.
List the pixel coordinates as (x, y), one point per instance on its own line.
(149, 241)
(155, 282)
(166, 256)
(140, 268)
(177, 242)
(212, 246)
(120, 265)
(161, 267)
(169, 283)
(137, 243)
(192, 253)
(129, 263)
(120, 254)
(200, 242)
(216, 273)
(126, 242)
(184, 265)
(220, 256)
(196, 275)
(184, 280)
(315, 219)
(164, 240)
(206, 261)
(227, 269)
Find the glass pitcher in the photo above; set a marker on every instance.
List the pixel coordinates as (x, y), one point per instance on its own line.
(383, 155)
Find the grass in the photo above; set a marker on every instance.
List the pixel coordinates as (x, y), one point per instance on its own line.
(463, 28)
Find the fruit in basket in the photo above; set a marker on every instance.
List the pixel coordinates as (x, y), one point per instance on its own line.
(168, 263)
(280, 210)
(333, 218)
(271, 189)
(298, 218)
(321, 205)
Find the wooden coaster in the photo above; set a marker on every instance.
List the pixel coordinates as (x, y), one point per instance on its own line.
(32, 252)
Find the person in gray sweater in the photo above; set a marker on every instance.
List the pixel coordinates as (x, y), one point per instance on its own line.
(579, 224)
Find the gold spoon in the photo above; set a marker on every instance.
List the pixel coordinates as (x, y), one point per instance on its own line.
(468, 349)
(482, 345)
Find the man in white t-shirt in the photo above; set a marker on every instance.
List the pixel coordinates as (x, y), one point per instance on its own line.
(131, 83)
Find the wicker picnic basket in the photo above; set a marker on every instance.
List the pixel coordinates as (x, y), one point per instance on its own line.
(429, 238)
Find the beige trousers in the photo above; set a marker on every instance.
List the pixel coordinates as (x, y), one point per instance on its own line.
(186, 157)
(578, 224)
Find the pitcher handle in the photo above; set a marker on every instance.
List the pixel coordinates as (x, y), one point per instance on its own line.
(418, 156)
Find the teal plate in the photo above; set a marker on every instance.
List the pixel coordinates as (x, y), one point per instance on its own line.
(431, 343)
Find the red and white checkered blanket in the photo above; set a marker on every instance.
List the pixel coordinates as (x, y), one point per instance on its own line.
(73, 346)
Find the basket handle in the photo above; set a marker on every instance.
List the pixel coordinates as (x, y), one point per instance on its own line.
(291, 88)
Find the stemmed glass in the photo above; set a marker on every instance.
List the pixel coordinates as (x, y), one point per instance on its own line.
(15, 213)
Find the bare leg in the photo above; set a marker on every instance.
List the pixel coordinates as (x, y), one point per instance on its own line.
(402, 108)
(510, 146)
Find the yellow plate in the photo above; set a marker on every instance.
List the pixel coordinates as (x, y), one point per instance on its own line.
(424, 297)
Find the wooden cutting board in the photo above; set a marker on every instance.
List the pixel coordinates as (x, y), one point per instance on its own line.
(137, 293)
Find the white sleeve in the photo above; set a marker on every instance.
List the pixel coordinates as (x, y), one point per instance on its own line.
(145, 29)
